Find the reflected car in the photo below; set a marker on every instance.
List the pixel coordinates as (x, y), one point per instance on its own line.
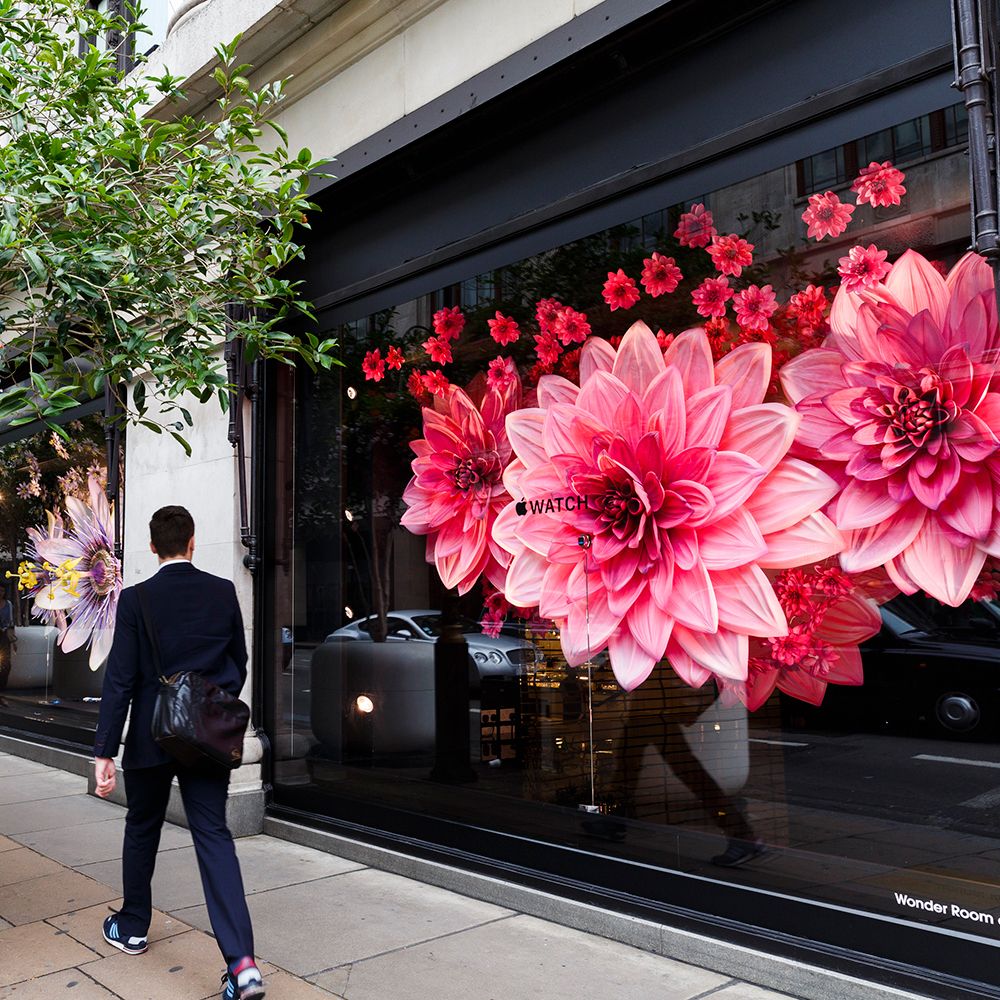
(503, 655)
(930, 665)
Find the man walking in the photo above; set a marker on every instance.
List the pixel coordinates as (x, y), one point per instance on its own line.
(197, 622)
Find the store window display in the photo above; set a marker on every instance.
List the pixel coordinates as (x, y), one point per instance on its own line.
(726, 471)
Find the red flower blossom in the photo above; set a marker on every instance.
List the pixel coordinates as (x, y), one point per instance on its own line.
(436, 383)
(449, 323)
(711, 295)
(416, 387)
(879, 184)
(569, 366)
(664, 340)
(547, 312)
(754, 307)
(808, 307)
(660, 275)
(696, 228)
(826, 215)
(720, 337)
(439, 350)
(502, 373)
(547, 348)
(503, 329)
(862, 267)
(394, 358)
(571, 327)
(538, 369)
(730, 254)
(373, 366)
(620, 291)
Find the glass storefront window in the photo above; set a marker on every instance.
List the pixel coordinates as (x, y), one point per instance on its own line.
(48, 684)
(726, 579)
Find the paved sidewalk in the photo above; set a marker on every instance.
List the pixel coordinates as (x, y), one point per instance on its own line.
(325, 927)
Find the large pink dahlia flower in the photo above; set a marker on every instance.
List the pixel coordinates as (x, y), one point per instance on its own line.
(457, 487)
(676, 474)
(898, 405)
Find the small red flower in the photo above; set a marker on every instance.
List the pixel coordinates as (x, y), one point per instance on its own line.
(547, 348)
(394, 358)
(826, 215)
(660, 275)
(439, 350)
(808, 307)
(879, 184)
(449, 323)
(720, 337)
(503, 329)
(863, 266)
(663, 340)
(620, 291)
(373, 366)
(730, 254)
(502, 373)
(711, 295)
(754, 307)
(416, 387)
(696, 228)
(547, 312)
(571, 327)
(436, 383)
(569, 366)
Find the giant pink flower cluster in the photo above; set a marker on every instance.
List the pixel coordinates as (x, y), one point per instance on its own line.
(676, 474)
(899, 405)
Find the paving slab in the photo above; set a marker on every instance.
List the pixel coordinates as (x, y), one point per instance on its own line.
(85, 926)
(266, 864)
(89, 843)
(6, 844)
(36, 949)
(32, 787)
(186, 966)
(282, 986)
(73, 984)
(38, 898)
(509, 959)
(18, 765)
(19, 866)
(352, 916)
(56, 813)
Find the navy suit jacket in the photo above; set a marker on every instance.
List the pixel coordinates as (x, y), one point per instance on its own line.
(197, 621)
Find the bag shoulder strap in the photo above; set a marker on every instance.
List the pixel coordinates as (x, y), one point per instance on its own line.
(140, 592)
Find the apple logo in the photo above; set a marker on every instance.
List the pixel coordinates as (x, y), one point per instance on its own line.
(521, 508)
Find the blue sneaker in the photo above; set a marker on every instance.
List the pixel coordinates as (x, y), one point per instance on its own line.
(242, 981)
(115, 938)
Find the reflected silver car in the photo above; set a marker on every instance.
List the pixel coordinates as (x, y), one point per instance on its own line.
(503, 655)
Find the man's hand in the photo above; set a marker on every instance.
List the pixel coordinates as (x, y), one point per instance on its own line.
(104, 771)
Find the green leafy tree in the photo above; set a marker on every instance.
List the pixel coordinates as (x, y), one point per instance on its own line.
(124, 238)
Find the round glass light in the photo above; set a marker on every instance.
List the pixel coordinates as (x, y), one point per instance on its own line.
(364, 704)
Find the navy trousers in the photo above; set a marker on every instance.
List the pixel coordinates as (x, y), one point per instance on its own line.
(203, 792)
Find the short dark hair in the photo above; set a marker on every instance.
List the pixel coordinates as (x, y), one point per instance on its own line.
(170, 530)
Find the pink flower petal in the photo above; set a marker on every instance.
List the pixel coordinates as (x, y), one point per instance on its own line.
(850, 620)
(731, 541)
(692, 356)
(556, 389)
(693, 599)
(848, 669)
(685, 668)
(969, 509)
(747, 370)
(803, 686)
(747, 602)
(813, 539)
(524, 430)
(639, 359)
(707, 416)
(868, 548)
(724, 653)
(763, 433)
(629, 661)
(862, 504)
(916, 285)
(603, 394)
(732, 480)
(813, 372)
(596, 355)
(523, 587)
(648, 626)
(939, 567)
(791, 491)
